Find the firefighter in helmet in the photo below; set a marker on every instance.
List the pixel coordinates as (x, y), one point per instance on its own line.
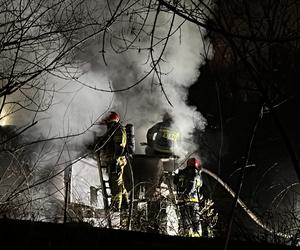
(113, 156)
(188, 182)
(162, 137)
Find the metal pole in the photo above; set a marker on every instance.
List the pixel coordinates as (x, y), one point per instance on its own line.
(67, 179)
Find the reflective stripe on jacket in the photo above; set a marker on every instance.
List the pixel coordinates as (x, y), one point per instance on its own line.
(188, 182)
(163, 137)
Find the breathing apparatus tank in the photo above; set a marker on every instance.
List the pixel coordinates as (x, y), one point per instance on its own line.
(130, 138)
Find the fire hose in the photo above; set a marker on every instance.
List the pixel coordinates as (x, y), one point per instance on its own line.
(244, 207)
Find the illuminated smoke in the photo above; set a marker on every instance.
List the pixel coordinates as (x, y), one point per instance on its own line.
(74, 106)
(144, 104)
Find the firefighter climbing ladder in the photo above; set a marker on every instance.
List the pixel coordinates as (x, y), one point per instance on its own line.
(105, 188)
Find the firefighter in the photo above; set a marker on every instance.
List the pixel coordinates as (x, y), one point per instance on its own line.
(188, 182)
(113, 155)
(162, 137)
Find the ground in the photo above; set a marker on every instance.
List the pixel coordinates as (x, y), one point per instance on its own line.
(39, 235)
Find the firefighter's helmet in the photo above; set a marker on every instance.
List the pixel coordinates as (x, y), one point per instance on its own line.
(167, 116)
(193, 162)
(111, 117)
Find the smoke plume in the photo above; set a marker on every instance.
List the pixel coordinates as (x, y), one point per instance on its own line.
(166, 48)
(140, 65)
(180, 57)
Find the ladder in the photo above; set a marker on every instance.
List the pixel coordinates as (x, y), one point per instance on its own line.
(113, 219)
(105, 188)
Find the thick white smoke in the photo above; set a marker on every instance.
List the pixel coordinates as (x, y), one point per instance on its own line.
(144, 104)
(73, 105)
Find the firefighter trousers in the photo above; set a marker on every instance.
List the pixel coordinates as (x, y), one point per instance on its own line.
(119, 195)
(190, 224)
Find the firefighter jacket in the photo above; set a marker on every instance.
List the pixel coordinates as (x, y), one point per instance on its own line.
(188, 182)
(113, 156)
(115, 140)
(162, 137)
